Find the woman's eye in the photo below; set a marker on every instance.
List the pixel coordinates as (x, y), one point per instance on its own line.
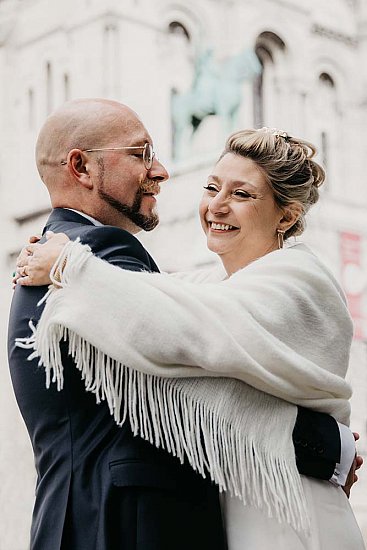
(211, 187)
(242, 194)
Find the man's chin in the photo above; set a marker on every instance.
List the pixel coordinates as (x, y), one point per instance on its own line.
(151, 223)
(147, 222)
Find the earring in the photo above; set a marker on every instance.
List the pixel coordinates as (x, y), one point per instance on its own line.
(280, 234)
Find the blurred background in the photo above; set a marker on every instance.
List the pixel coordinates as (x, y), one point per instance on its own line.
(194, 70)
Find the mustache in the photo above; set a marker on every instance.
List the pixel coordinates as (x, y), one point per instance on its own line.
(150, 186)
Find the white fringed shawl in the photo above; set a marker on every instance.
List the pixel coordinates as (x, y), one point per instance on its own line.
(182, 359)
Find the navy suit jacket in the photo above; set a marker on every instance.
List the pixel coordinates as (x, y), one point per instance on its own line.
(98, 486)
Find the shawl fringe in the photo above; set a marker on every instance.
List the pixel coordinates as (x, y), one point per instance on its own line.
(214, 433)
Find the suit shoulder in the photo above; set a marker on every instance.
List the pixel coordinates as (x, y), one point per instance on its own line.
(114, 245)
(98, 236)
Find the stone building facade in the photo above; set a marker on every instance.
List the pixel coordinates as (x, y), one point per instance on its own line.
(311, 80)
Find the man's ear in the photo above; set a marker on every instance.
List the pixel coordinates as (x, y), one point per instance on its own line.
(291, 214)
(77, 163)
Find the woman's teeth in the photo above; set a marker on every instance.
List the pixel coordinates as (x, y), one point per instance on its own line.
(221, 226)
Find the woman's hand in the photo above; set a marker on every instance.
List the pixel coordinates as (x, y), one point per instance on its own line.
(35, 261)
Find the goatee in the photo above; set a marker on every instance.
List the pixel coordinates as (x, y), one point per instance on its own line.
(145, 222)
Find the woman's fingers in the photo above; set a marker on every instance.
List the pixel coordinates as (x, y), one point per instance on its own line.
(27, 251)
(24, 281)
(35, 238)
(36, 260)
(22, 261)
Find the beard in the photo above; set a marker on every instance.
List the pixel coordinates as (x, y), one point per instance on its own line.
(145, 222)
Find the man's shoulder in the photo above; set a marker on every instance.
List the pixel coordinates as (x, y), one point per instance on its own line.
(114, 245)
(98, 235)
(108, 242)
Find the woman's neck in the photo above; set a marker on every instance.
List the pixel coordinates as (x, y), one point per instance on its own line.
(234, 262)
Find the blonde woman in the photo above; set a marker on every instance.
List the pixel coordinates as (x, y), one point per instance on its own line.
(220, 359)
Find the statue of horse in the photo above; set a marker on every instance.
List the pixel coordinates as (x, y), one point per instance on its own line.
(216, 90)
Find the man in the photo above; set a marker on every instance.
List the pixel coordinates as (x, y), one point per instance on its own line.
(98, 486)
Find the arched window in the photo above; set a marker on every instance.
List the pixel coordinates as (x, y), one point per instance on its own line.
(327, 120)
(180, 50)
(271, 50)
(180, 67)
(326, 80)
(178, 29)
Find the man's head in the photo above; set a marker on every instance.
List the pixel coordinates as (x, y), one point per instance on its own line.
(90, 155)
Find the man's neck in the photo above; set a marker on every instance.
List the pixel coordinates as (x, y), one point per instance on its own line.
(87, 216)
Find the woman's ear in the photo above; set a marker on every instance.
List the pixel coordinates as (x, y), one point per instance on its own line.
(291, 214)
(78, 167)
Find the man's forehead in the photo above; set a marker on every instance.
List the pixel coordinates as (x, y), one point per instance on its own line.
(134, 132)
(137, 138)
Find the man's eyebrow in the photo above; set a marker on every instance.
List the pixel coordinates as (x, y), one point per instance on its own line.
(233, 182)
(138, 143)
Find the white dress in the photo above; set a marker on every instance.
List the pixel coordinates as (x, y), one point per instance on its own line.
(333, 525)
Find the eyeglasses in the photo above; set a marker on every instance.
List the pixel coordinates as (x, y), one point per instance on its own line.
(147, 148)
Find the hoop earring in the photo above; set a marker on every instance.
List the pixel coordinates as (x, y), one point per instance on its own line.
(280, 235)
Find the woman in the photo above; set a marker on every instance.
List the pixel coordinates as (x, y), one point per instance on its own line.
(211, 365)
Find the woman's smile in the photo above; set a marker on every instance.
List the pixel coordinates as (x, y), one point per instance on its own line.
(222, 228)
(238, 212)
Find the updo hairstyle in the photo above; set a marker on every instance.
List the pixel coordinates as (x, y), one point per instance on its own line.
(287, 164)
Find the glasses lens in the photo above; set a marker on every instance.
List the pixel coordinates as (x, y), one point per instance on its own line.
(148, 156)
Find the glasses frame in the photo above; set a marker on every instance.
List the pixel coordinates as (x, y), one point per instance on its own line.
(148, 153)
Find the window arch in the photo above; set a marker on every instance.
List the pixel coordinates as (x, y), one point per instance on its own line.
(180, 53)
(326, 80)
(271, 51)
(326, 115)
(178, 29)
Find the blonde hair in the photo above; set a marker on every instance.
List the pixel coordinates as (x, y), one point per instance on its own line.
(288, 165)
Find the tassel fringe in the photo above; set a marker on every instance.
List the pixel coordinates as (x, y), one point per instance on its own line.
(213, 430)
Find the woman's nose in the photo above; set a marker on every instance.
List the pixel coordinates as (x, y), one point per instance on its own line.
(219, 204)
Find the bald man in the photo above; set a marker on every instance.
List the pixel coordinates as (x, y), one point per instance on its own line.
(98, 487)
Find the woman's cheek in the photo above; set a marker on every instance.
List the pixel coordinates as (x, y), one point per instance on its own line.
(203, 209)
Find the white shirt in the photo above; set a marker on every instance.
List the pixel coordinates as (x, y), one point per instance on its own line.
(93, 220)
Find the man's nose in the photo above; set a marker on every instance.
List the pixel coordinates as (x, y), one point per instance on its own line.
(158, 172)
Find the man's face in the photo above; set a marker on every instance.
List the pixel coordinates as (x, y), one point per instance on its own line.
(126, 188)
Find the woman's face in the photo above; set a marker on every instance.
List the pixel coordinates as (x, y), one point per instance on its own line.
(238, 212)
